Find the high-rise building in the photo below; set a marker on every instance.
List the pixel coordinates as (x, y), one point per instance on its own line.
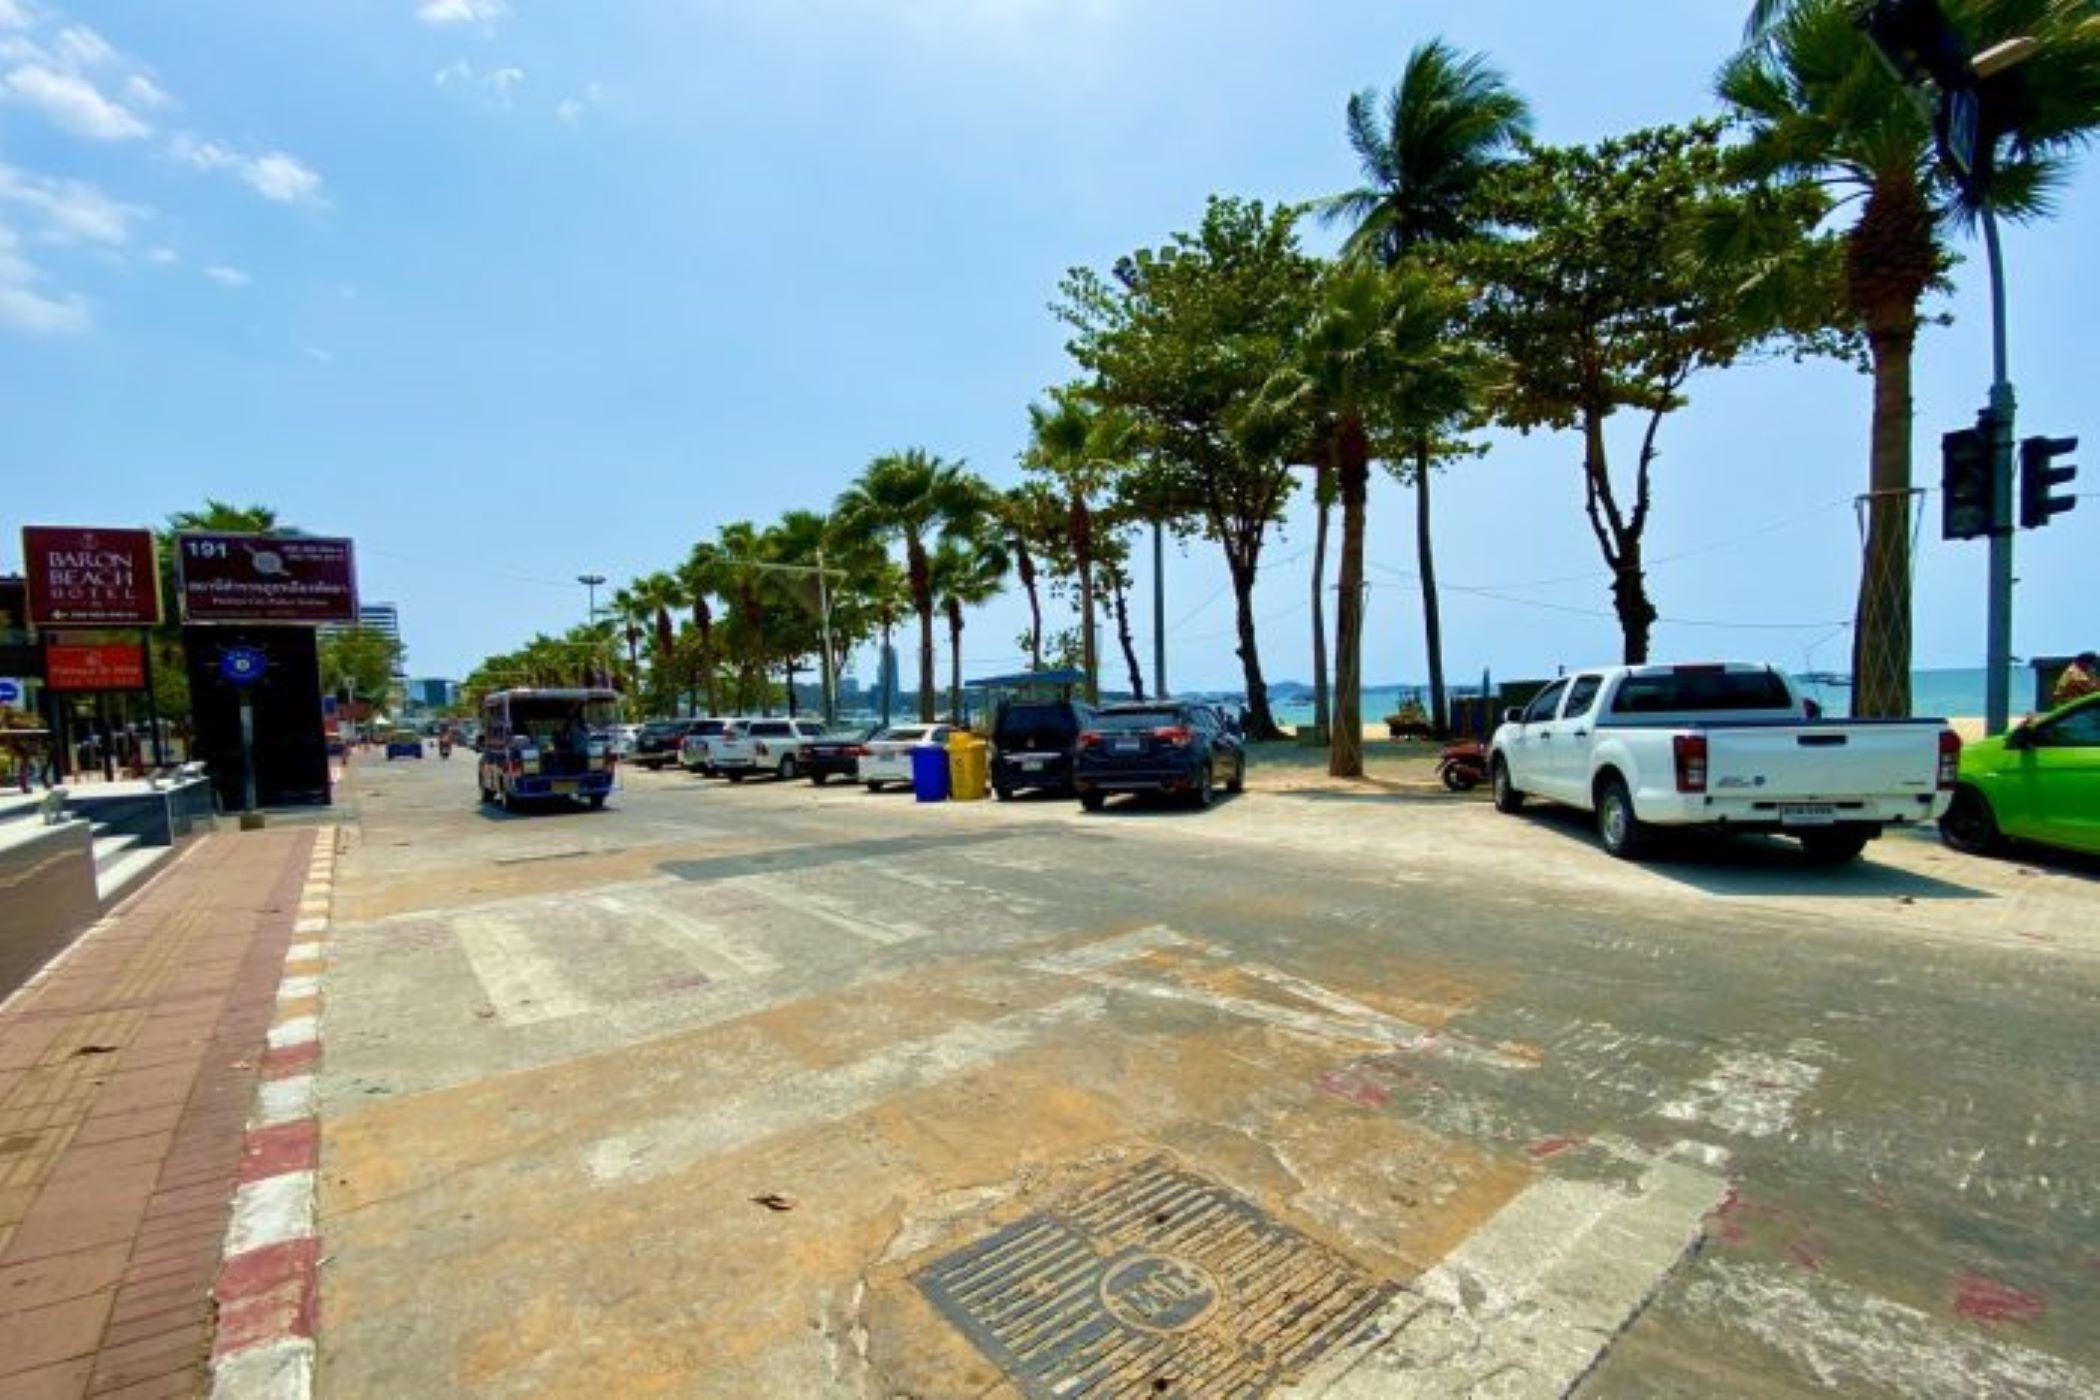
(384, 618)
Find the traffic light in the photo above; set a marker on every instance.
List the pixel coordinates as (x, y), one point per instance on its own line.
(2037, 501)
(1968, 504)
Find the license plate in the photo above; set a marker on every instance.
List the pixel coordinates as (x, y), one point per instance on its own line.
(564, 786)
(1807, 814)
(1127, 745)
(1034, 760)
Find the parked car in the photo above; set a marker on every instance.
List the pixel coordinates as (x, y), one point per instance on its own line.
(623, 737)
(836, 753)
(657, 743)
(1160, 746)
(1032, 745)
(748, 746)
(696, 752)
(2039, 781)
(1728, 745)
(887, 756)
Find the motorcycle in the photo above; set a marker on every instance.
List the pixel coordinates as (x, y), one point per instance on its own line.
(1463, 766)
(445, 747)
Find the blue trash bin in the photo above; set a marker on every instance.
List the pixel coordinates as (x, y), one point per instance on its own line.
(929, 772)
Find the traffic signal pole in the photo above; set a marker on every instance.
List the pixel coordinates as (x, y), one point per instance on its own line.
(1998, 622)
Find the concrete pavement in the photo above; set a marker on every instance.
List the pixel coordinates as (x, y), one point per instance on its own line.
(1355, 1091)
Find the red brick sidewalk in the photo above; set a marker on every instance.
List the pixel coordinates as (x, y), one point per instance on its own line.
(126, 1079)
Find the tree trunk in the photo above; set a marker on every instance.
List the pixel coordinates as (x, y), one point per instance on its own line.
(1881, 635)
(955, 630)
(922, 603)
(1345, 751)
(1425, 567)
(1620, 540)
(1261, 723)
(1120, 605)
(1323, 715)
(886, 672)
(1088, 662)
(788, 666)
(1024, 567)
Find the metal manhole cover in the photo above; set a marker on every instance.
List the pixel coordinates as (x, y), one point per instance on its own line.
(1158, 1282)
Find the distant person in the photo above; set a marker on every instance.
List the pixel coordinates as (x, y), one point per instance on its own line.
(2079, 679)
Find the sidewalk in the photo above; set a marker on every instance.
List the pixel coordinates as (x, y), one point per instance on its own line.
(127, 1074)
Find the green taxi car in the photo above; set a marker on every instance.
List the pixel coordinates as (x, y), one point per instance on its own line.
(2039, 781)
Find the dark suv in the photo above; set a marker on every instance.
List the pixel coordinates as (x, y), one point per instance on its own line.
(1163, 746)
(1032, 745)
(657, 744)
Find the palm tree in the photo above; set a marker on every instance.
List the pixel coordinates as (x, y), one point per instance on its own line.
(626, 609)
(1818, 104)
(913, 497)
(1377, 351)
(1442, 130)
(967, 571)
(1080, 448)
(1027, 514)
(740, 576)
(657, 594)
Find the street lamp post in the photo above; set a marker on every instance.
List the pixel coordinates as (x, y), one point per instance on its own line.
(590, 583)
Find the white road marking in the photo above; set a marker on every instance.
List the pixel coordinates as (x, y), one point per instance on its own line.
(1526, 1306)
(271, 1211)
(1751, 1094)
(279, 1370)
(1849, 1339)
(524, 984)
(839, 913)
(811, 1097)
(1346, 1019)
(302, 952)
(310, 926)
(699, 942)
(297, 1031)
(292, 988)
(284, 1100)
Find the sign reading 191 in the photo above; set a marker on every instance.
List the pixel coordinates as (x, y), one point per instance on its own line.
(205, 549)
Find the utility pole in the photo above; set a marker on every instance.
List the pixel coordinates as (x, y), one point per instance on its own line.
(1159, 609)
(1997, 645)
(591, 582)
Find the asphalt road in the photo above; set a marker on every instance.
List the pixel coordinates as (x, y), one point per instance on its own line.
(770, 1090)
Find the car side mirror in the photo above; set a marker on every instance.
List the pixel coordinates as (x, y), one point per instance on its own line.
(1512, 715)
(2019, 737)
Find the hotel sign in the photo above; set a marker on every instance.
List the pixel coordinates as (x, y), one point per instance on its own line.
(90, 578)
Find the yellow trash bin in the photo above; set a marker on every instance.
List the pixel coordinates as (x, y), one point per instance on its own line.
(969, 767)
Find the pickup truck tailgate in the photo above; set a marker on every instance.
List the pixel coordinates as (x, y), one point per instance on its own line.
(1790, 762)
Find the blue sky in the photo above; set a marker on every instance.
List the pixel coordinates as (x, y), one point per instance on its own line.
(511, 291)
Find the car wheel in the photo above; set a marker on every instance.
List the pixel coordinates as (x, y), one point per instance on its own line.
(786, 770)
(1458, 779)
(872, 785)
(734, 777)
(1004, 794)
(819, 779)
(597, 801)
(1833, 847)
(1508, 797)
(1206, 783)
(1620, 830)
(1969, 825)
(1093, 801)
(1239, 776)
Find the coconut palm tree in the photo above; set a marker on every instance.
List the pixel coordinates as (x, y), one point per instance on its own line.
(913, 497)
(967, 571)
(1028, 517)
(1441, 130)
(626, 609)
(658, 594)
(1378, 351)
(1080, 448)
(1818, 104)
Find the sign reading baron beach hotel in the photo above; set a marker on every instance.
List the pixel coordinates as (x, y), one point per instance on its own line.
(266, 578)
(90, 577)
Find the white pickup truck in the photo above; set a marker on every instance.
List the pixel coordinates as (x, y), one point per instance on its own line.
(1730, 745)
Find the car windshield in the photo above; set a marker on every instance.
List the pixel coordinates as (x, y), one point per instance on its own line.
(706, 726)
(1127, 720)
(1690, 690)
(1019, 723)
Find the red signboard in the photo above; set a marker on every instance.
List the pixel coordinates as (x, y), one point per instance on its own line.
(90, 578)
(114, 667)
(266, 578)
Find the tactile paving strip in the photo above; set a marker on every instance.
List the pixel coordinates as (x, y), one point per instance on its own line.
(1156, 1283)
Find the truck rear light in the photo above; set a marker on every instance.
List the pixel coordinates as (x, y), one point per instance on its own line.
(1950, 759)
(1089, 738)
(1690, 753)
(1176, 734)
(857, 751)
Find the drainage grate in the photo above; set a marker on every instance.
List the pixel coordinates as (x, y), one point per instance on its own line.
(1157, 1283)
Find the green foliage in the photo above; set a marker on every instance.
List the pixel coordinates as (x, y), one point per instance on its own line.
(361, 661)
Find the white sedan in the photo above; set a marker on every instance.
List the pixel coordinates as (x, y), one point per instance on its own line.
(888, 756)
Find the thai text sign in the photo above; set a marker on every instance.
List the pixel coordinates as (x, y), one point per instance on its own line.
(99, 667)
(90, 578)
(266, 578)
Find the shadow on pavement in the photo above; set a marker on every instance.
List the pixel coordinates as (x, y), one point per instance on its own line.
(815, 857)
(1150, 804)
(1748, 864)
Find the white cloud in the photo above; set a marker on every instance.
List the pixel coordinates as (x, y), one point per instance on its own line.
(145, 92)
(494, 84)
(444, 12)
(23, 306)
(71, 211)
(162, 255)
(13, 15)
(72, 103)
(81, 47)
(274, 175)
(572, 109)
(228, 276)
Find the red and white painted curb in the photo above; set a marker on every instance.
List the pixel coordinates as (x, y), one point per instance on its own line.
(269, 1288)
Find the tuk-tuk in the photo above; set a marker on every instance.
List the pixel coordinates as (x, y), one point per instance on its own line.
(541, 743)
